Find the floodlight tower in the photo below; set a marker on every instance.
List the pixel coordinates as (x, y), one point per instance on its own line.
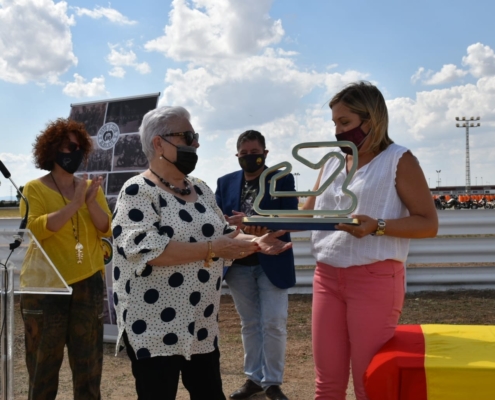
(467, 124)
(297, 174)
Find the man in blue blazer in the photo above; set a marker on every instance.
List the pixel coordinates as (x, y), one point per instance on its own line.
(258, 283)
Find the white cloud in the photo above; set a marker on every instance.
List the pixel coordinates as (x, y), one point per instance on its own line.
(105, 12)
(232, 86)
(283, 53)
(426, 125)
(119, 57)
(237, 92)
(449, 73)
(35, 41)
(480, 60)
(117, 72)
(417, 75)
(21, 168)
(212, 29)
(81, 88)
(264, 88)
(233, 77)
(143, 68)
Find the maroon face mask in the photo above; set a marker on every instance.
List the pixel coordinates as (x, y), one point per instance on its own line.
(355, 135)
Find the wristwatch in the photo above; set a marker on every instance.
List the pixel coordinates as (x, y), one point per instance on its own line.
(380, 230)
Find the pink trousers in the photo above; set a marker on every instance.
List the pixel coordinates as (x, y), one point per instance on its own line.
(355, 311)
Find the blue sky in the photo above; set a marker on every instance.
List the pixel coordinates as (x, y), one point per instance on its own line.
(269, 65)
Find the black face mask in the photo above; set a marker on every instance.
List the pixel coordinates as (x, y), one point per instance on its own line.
(186, 158)
(252, 162)
(70, 162)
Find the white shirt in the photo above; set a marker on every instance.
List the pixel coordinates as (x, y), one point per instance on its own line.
(165, 310)
(374, 186)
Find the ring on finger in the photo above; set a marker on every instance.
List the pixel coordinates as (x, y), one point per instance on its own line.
(242, 254)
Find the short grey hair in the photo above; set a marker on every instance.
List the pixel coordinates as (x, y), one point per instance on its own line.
(157, 122)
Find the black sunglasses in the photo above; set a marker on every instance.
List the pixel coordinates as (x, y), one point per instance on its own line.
(189, 136)
(72, 146)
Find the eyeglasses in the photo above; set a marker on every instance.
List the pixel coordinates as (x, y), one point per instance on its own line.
(72, 146)
(189, 136)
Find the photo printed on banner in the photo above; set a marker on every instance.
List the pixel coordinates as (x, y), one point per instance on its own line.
(99, 159)
(111, 201)
(116, 180)
(109, 314)
(128, 154)
(113, 125)
(128, 114)
(91, 115)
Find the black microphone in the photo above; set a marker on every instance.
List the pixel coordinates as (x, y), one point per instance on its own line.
(19, 236)
(5, 171)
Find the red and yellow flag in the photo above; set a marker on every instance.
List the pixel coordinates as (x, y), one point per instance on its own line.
(434, 362)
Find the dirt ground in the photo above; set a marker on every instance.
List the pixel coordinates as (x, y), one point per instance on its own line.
(461, 307)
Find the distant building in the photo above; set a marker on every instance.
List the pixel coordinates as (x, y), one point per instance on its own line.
(480, 189)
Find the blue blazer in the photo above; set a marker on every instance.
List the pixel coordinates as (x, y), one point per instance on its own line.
(280, 268)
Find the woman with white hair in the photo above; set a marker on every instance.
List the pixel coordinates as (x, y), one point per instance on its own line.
(171, 241)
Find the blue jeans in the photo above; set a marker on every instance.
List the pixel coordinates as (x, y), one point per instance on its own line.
(263, 310)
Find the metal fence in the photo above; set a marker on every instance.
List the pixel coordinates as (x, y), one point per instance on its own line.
(466, 239)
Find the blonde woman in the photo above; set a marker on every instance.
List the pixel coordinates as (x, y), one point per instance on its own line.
(358, 287)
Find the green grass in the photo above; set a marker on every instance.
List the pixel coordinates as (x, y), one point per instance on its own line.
(9, 213)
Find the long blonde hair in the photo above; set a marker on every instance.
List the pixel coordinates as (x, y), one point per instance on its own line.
(365, 100)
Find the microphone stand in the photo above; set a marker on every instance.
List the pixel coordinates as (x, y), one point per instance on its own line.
(7, 298)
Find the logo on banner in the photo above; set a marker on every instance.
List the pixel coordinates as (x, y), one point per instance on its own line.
(107, 250)
(108, 135)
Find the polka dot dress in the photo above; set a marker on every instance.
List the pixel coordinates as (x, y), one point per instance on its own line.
(165, 310)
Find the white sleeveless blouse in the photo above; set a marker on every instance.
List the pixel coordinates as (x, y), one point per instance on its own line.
(374, 186)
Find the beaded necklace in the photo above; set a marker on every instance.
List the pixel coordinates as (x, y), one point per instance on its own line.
(79, 246)
(182, 192)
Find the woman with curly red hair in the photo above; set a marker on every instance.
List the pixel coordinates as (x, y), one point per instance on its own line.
(68, 216)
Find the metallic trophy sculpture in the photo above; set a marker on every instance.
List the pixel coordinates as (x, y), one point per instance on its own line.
(305, 219)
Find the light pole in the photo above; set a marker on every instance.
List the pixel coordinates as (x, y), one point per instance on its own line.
(466, 124)
(296, 174)
(438, 181)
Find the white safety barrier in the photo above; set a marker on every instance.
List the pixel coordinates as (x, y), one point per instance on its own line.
(464, 237)
(9, 224)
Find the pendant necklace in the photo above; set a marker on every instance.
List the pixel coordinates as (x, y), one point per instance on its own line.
(79, 246)
(182, 192)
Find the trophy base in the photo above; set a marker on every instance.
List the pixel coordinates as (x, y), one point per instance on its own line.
(298, 223)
